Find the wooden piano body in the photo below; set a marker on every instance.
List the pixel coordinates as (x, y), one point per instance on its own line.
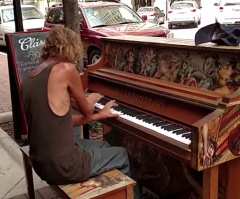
(193, 87)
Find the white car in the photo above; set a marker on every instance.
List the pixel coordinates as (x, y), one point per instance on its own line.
(184, 13)
(228, 12)
(33, 19)
(154, 14)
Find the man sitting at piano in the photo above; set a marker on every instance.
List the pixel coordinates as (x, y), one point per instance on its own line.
(47, 96)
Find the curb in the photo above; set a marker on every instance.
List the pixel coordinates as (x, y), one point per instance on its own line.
(6, 117)
(11, 147)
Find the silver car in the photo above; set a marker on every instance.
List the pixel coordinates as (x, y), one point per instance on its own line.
(153, 14)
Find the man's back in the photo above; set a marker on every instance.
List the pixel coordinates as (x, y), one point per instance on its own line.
(46, 100)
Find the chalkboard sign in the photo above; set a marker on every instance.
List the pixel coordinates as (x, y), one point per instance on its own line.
(27, 48)
(23, 56)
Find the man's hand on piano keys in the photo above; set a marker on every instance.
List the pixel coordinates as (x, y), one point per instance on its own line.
(106, 111)
(94, 98)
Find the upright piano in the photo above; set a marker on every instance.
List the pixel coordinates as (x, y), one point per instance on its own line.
(179, 113)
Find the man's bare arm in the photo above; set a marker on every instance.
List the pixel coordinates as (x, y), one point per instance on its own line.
(102, 114)
(79, 120)
(75, 85)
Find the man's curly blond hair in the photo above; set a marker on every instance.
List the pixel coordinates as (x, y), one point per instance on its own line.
(65, 43)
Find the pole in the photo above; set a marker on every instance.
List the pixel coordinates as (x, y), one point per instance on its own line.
(18, 15)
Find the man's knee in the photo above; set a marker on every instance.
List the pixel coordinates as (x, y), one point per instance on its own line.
(122, 154)
(105, 144)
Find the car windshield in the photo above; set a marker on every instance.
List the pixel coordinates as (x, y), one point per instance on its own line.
(145, 9)
(111, 15)
(182, 6)
(231, 2)
(27, 13)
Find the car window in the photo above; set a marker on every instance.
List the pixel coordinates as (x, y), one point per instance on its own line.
(176, 6)
(27, 13)
(111, 15)
(56, 16)
(158, 10)
(230, 2)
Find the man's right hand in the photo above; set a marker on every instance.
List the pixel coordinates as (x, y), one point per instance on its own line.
(94, 98)
(106, 113)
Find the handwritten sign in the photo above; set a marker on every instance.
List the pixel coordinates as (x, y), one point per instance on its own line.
(27, 47)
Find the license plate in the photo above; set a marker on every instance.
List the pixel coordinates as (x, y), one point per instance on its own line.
(181, 12)
(236, 9)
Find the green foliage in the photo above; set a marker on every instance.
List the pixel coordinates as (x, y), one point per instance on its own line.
(95, 127)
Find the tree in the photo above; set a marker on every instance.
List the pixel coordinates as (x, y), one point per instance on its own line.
(71, 20)
(71, 15)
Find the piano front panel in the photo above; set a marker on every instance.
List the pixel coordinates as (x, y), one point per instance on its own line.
(215, 71)
(165, 106)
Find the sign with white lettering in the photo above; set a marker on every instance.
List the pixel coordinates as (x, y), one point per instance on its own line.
(27, 49)
(24, 50)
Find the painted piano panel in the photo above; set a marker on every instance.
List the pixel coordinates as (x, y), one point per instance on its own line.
(214, 71)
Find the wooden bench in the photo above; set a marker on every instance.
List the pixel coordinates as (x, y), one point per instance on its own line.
(109, 185)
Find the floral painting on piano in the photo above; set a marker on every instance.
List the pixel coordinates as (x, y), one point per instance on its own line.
(206, 70)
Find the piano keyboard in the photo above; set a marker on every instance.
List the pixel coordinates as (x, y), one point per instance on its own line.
(159, 126)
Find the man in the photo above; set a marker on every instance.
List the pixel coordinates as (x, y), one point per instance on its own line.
(47, 96)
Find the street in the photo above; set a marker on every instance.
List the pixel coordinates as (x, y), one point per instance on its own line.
(187, 32)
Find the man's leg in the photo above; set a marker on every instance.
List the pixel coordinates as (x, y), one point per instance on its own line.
(90, 145)
(106, 159)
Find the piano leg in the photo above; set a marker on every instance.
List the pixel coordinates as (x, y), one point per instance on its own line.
(233, 180)
(210, 183)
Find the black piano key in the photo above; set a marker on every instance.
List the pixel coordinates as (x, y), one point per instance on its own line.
(171, 127)
(162, 124)
(179, 132)
(187, 135)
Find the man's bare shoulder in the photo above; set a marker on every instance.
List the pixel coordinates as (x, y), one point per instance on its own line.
(65, 67)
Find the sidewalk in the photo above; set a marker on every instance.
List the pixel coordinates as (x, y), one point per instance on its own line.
(12, 176)
(5, 97)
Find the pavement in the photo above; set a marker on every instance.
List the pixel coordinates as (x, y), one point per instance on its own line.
(12, 176)
(5, 97)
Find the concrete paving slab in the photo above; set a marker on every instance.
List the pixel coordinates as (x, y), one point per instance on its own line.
(5, 97)
(12, 176)
(10, 172)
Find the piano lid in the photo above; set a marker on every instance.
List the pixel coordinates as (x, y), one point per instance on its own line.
(170, 42)
(177, 61)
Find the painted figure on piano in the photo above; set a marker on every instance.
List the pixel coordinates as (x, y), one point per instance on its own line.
(197, 69)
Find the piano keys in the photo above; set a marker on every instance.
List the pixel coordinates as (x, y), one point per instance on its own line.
(176, 99)
(167, 129)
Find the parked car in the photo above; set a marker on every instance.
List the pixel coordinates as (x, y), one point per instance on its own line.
(184, 13)
(33, 19)
(228, 12)
(154, 14)
(102, 19)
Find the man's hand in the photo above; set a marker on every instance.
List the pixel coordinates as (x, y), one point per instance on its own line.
(94, 98)
(105, 112)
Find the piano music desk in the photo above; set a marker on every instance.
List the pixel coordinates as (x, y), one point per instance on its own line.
(109, 185)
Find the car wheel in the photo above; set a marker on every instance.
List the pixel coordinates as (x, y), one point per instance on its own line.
(170, 26)
(195, 24)
(94, 56)
(199, 22)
